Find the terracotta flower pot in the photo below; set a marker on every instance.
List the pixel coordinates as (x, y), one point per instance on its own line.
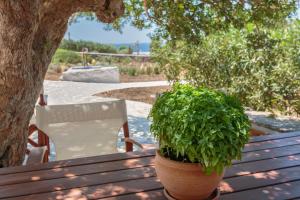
(185, 181)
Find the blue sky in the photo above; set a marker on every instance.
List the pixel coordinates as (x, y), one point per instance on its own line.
(93, 31)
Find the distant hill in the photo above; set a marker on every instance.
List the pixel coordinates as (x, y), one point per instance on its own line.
(144, 47)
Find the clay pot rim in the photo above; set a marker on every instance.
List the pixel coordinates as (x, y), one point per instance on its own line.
(178, 164)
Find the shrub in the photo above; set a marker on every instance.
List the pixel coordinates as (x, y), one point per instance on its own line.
(132, 71)
(260, 66)
(199, 125)
(125, 50)
(156, 70)
(65, 56)
(92, 46)
(149, 70)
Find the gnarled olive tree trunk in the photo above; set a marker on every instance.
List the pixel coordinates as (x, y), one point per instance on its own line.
(30, 32)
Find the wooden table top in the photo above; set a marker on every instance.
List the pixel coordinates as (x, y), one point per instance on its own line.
(270, 169)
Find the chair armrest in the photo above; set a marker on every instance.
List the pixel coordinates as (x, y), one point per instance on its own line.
(142, 146)
(36, 155)
(133, 142)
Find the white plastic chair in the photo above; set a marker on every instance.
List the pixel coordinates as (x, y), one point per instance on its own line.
(82, 130)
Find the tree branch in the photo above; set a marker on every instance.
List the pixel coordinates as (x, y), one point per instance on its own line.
(106, 10)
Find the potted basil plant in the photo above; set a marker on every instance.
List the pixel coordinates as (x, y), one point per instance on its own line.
(200, 131)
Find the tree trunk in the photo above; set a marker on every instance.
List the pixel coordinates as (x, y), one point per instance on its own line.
(30, 32)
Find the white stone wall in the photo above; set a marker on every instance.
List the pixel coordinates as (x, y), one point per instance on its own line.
(92, 74)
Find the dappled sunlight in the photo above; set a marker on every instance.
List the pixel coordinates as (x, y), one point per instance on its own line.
(266, 175)
(70, 176)
(131, 162)
(143, 196)
(225, 187)
(265, 191)
(149, 195)
(137, 163)
(73, 194)
(57, 188)
(276, 192)
(243, 173)
(57, 169)
(35, 178)
(262, 143)
(108, 190)
(294, 158)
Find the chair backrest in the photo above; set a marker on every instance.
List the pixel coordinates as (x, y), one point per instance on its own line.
(80, 130)
(53, 114)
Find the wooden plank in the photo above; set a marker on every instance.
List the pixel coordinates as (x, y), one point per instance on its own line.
(268, 153)
(111, 157)
(75, 182)
(262, 165)
(99, 191)
(271, 144)
(78, 161)
(130, 163)
(261, 179)
(74, 171)
(282, 191)
(123, 156)
(274, 136)
(156, 194)
(99, 177)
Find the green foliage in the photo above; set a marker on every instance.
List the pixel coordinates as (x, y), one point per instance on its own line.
(259, 65)
(66, 56)
(92, 46)
(200, 125)
(149, 70)
(125, 50)
(156, 70)
(131, 71)
(190, 20)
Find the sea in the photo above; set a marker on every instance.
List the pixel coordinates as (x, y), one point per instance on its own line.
(144, 48)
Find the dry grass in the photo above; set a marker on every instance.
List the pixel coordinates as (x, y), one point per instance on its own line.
(145, 94)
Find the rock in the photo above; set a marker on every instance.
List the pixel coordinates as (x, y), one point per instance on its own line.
(278, 123)
(92, 74)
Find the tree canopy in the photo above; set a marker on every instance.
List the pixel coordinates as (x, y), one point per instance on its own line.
(191, 20)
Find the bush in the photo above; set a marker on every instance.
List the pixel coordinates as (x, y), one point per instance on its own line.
(156, 70)
(92, 46)
(132, 71)
(199, 125)
(125, 50)
(149, 70)
(65, 56)
(260, 66)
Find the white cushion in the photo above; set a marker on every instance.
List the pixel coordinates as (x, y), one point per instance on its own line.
(83, 139)
(82, 130)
